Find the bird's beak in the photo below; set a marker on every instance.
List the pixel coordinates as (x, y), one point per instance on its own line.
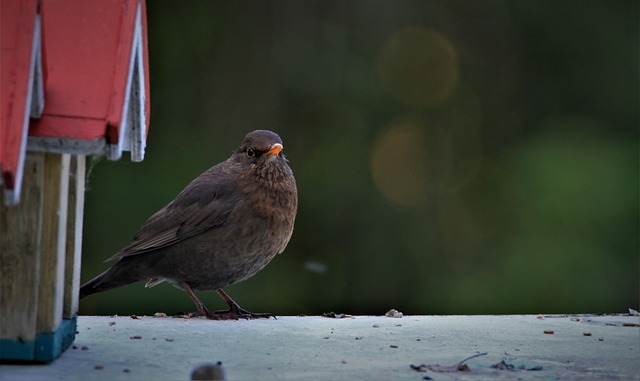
(275, 149)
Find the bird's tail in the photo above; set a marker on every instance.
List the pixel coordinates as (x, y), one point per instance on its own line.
(109, 279)
(93, 286)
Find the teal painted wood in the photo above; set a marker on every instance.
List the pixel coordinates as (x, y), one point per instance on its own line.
(46, 347)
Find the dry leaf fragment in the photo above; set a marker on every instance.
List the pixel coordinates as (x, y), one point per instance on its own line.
(393, 313)
(457, 367)
(503, 365)
(334, 315)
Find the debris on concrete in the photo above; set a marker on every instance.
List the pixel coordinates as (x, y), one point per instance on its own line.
(460, 366)
(361, 347)
(393, 313)
(209, 372)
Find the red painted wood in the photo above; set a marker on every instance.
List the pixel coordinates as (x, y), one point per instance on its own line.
(68, 127)
(18, 21)
(86, 49)
(122, 70)
(87, 45)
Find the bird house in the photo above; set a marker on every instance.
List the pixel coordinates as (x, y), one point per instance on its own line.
(74, 82)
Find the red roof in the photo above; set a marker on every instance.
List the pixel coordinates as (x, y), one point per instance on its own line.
(95, 74)
(19, 41)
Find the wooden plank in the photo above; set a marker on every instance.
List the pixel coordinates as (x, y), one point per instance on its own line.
(20, 239)
(57, 126)
(54, 235)
(80, 49)
(19, 42)
(74, 235)
(97, 84)
(127, 116)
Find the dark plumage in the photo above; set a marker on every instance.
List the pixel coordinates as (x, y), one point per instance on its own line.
(223, 228)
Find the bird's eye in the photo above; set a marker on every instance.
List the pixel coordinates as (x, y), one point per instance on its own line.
(250, 152)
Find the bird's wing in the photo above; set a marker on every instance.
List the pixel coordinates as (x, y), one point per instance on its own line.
(206, 202)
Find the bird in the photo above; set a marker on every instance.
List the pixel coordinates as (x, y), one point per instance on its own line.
(221, 229)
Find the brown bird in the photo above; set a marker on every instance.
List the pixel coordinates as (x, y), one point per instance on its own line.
(223, 228)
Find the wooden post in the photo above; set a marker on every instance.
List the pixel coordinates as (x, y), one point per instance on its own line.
(35, 252)
(20, 243)
(100, 105)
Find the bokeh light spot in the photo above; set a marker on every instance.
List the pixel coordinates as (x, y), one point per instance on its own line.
(399, 164)
(419, 66)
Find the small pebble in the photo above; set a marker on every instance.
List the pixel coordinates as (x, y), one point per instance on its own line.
(209, 372)
(393, 313)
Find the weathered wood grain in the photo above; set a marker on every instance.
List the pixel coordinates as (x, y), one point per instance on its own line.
(20, 249)
(54, 237)
(74, 235)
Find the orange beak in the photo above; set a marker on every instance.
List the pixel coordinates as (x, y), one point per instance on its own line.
(275, 149)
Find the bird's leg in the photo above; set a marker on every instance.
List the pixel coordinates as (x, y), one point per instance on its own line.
(235, 311)
(202, 310)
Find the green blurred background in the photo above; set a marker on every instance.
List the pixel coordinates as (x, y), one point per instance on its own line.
(452, 157)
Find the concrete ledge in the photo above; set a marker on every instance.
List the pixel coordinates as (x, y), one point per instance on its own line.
(363, 347)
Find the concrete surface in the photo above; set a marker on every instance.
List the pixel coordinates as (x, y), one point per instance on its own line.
(359, 348)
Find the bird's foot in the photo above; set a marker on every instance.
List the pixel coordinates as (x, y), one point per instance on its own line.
(235, 313)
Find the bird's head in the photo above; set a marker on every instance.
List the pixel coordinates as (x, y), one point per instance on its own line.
(262, 151)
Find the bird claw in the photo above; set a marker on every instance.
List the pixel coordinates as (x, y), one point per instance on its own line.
(238, 313)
